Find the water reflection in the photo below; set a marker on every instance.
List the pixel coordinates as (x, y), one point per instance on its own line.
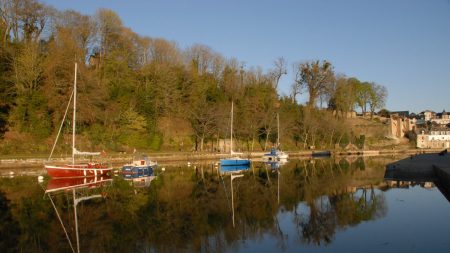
(302, 203)
(419, 170)
(79, 189)
(9, 228)
(230, 169)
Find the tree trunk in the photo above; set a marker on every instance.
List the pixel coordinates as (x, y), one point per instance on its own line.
(304, 143)
(253, 142)
(331, 138)
(201, 142)
(267, 139)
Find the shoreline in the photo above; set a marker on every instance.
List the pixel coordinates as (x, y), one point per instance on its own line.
(120, 159)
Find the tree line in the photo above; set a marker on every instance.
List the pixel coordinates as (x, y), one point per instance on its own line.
(140, 92)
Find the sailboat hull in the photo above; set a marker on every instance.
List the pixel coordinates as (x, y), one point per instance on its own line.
(275, 155)
(77, 170)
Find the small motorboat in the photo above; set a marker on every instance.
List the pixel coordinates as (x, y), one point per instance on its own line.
(140, 167)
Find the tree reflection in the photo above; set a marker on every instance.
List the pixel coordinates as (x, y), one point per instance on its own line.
(332, 201)
(320, 225)
(189, 209)
(9, 229)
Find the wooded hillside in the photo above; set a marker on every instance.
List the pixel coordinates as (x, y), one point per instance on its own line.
(147, 93)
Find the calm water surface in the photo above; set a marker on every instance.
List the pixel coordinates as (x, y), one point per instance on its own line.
(327, 205)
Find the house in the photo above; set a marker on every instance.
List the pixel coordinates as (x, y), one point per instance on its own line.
(436, 138)
(428, 115)
(442, 118)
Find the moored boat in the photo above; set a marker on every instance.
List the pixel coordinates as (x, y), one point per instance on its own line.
(140, 167)
(234, 160)
(275, 153)
(76, 170)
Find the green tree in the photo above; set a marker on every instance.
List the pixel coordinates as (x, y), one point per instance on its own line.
(363, 92)
(343, 99)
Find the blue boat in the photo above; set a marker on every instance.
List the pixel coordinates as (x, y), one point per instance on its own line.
(233, 161)
(142, 167)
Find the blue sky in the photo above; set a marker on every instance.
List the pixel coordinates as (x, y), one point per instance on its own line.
(402, 44)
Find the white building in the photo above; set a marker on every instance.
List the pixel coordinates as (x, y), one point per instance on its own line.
(428, 115)
(434, 139)
(441, 118)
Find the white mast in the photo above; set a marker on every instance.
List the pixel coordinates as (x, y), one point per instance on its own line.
(74, 113)
(231, 129)
(278, 128)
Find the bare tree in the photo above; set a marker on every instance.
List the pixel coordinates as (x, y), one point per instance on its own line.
(23, 19)
(278, 71)
(313, 76)
(377, 98)
(7, 19)
(296, 87)
(200, 57)
(109, 26)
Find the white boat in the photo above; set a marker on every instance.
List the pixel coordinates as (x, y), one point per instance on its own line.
(234, 159)
(275, 153)
(76, 170)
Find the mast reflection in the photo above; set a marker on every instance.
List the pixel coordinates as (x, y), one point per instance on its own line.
(80, 189)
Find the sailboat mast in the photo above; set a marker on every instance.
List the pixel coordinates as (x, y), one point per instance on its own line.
(278, 129)
(74, 113)
(75, 203)
(231, 130)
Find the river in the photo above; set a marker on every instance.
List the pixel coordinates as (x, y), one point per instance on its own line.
(325, 205)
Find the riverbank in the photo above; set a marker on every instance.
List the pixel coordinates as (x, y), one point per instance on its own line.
(192, 157)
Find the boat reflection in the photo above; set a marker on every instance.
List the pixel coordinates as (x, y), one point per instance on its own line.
(140, 182)
(275, 165)
(79, 189)
(233, 176)
(229, 169)
(139, 176)
(61, 184)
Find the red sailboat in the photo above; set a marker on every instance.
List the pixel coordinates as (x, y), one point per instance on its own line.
(76, 170)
